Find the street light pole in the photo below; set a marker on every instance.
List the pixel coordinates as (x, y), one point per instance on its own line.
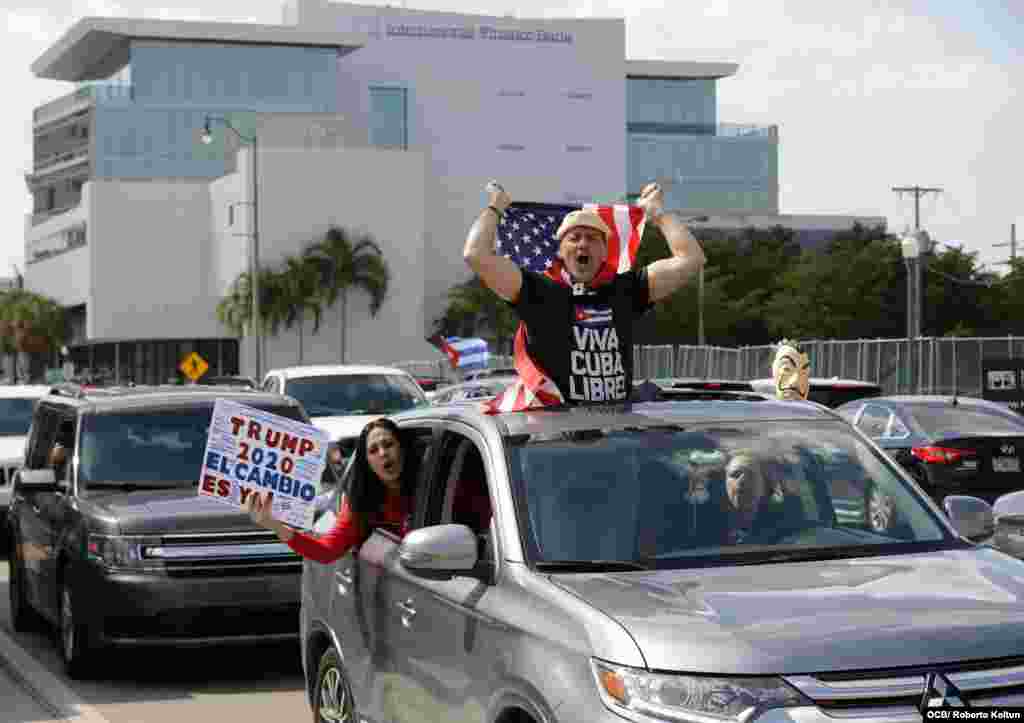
(254, 241)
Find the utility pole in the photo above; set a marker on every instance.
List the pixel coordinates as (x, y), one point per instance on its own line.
(1012, 243)
(917, 192)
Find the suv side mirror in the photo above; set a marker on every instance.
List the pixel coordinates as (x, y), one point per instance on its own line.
(38, 480)
(972, 517)
(439, 552)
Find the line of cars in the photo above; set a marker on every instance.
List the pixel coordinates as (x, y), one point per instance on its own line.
(109, 542)
(536, 578)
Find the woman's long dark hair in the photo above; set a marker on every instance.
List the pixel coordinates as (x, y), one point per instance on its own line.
(365, 490)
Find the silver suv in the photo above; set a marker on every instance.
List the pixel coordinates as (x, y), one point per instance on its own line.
(678, 561)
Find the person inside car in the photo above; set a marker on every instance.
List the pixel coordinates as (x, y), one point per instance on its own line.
(755, 510)
(380, 495)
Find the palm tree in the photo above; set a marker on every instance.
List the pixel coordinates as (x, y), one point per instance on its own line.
(234, 310)
(30, 323)
(472, 301)
(301, 295)
(342, 263)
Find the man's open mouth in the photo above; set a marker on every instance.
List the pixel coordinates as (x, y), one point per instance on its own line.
(583, 260)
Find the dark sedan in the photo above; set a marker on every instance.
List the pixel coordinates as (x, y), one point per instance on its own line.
(951, 445)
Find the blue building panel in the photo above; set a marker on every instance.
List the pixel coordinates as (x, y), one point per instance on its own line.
(151, 128)
(235, 77)
(671, 101)
(708, 171)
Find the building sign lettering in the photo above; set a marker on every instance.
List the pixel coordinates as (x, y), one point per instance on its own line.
(485, 32)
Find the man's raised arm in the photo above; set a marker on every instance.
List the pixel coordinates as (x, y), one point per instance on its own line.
(498, 273)
(666, 276)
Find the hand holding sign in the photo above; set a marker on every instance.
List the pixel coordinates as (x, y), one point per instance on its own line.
(250, 451)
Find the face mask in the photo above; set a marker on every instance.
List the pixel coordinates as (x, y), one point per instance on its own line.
(792, 372)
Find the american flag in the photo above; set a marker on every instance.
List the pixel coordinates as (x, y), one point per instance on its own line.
(526, 235)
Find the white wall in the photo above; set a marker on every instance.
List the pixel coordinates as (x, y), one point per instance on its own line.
(64, 277)
(151, 255)
(302, 194)
(471, 99)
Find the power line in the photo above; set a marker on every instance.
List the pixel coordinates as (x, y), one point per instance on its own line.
(1012, 243)
(916, 192)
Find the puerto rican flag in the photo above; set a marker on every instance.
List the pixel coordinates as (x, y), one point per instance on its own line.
(526, 235)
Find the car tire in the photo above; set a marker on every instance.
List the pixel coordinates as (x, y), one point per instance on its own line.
(333, 702)
(73, 639)
(23, 617)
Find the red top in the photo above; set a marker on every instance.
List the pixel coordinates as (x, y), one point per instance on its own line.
(394, 515)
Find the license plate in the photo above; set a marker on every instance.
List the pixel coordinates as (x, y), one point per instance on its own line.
(1005, 464)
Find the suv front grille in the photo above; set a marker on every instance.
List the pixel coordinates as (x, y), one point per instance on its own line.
(894, 695)
(224, 553)
(225, 621)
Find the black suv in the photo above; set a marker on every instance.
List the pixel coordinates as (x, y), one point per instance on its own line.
(111, 543)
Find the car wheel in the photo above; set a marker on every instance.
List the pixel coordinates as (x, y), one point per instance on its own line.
(23, 617)
(76, 649)
(333, 702)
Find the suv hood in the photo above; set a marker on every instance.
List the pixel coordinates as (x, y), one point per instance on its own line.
(803, 617)
(158, 512)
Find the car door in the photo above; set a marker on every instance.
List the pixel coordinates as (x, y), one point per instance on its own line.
(434, 625)
(56, 510)
(370, 653)
(30, 529)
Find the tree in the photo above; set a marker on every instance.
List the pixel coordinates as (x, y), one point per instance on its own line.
(471, 302)
(235, 311)
(30, 323)
(301, 295)
(343, 263)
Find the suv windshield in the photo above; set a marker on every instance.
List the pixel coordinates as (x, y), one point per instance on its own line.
(16, 416)
(152, 448)
(343, 394)
(669, 497)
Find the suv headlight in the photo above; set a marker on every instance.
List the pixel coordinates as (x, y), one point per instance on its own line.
(121, 551)
(643, 696)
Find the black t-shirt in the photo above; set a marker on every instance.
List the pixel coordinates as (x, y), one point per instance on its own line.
(582, 338)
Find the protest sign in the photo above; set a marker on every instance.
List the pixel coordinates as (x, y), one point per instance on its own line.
(250, 450)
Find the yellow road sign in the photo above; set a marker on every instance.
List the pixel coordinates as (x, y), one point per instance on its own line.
(193, 366)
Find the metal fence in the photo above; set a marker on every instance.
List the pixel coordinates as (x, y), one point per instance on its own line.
(945, 365)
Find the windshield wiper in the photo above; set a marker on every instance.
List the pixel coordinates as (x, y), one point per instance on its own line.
(590, 566)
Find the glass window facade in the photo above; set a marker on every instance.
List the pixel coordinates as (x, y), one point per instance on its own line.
(389, 117)
(673, 133)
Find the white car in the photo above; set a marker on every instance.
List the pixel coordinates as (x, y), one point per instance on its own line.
(16, 404)
(341, 398)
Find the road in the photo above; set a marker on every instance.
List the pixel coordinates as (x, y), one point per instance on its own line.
(164, 686)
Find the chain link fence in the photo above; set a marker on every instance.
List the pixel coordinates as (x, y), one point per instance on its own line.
(945, 365)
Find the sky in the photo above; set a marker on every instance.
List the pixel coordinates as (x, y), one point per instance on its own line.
(867, 95)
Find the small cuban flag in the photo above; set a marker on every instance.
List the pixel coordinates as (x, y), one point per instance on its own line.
(465, 354)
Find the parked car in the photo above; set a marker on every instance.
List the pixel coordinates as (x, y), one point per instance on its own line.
(603, 583)
(951, 445)
(495, 372)
(477, 390)
(114, 547)
(16, 404)
(228, 381)
(342, 398)
(829, 392)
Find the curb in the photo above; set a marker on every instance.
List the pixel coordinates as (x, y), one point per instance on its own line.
(47, 689)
